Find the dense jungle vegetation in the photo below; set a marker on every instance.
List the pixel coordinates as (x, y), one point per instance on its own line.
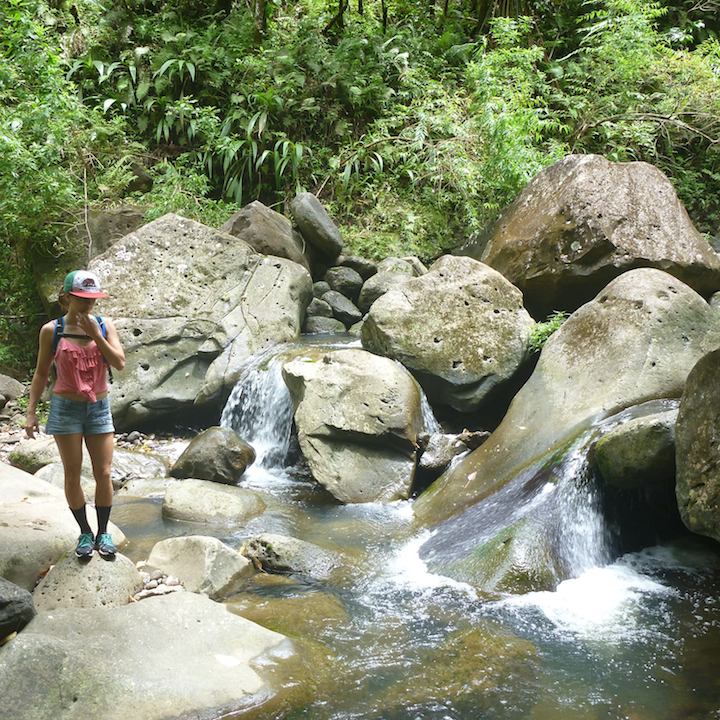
(414, 122)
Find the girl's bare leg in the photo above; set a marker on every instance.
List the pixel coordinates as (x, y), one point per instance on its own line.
(70, 447)
(100, 448)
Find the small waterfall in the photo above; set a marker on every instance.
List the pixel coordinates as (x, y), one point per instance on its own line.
(259, 408)
(556, 505)
(429, 420)
(583, 540)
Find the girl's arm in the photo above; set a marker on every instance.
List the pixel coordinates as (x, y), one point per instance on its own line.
(40, 378)
(110, 347)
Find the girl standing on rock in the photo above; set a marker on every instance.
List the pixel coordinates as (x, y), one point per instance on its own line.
(80, 407)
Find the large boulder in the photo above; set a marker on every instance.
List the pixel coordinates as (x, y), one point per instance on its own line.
(10, 388)
(358, 416)
(218, 454)
(36, 527)
(191, 304)
(96, 582)
(268, 232)
(636, 341)
(461, 329)
(697, 447)
(315, 224)
(178, 655)
(204, 501)
(202, 564)
(585, 220)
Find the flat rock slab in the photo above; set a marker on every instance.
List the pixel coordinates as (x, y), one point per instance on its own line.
(160, 658)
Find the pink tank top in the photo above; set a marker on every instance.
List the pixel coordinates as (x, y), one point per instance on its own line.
(80, 369)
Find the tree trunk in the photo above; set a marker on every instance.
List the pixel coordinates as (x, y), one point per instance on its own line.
(260, 25)
(339, 19)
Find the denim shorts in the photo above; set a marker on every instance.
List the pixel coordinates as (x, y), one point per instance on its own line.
(72, 416)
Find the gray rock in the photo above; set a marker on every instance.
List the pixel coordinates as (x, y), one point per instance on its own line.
(202, 564)
(54, 473)
(319, 308)
(343, 308)
(585, 220)
(315, 224)
(191, 304)
(461, 329)
(440, 450)
(31, 455)
(180, 654)
(36, 527)
(364, 267)
(697, 446)
(268, 232)
(10, 388)
(323, 326)
(358, 416)
(378, 285)
(16, 608)
(406, 266)
(639, 452)
(204, 501)
(218, 454)
(99, 582)
(281, 554)
(107, 226)
(346, 281)
(320, 288)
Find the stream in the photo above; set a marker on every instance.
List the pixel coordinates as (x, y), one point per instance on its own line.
(633, 636)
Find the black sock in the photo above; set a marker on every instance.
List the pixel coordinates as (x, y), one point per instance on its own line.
(82, 521)
(103, 515)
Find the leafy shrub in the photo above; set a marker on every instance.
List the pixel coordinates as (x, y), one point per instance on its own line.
(540, 332)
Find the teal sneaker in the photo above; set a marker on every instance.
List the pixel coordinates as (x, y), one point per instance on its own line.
(105, 545)
(85, 546)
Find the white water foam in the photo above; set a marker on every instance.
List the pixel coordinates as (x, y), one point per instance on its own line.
(407, 570)
(602, 603)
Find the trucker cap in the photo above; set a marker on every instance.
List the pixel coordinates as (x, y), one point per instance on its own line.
(84, 284)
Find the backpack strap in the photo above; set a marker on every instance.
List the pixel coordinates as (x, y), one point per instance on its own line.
(103, 330)
(57, 333)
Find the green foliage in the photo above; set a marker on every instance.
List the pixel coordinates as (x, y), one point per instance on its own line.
(52, 151)
(415, 128)
(627, 94)
(540, 332)
(181, 187)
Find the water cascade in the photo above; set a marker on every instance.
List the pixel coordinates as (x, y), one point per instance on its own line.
(621, 635)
